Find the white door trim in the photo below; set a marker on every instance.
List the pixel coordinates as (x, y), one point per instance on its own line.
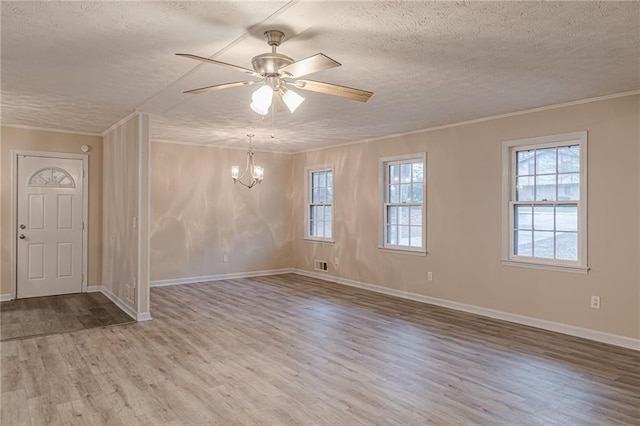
(14, 210)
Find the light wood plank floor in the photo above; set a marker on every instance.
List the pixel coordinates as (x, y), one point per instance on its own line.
(39, 316)
(293, 350)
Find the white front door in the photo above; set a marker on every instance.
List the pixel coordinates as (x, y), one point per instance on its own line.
(50, 215)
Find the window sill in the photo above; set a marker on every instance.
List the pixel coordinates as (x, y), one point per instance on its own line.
(562, 268)
(402, 251)
(313, 240)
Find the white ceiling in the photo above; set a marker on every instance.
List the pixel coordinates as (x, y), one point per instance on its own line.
(83, 66)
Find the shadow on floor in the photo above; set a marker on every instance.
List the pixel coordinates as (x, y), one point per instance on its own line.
(41, 316)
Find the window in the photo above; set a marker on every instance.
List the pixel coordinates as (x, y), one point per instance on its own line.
(545, 202)
(52, 177)
(319, 212)
(403, 210)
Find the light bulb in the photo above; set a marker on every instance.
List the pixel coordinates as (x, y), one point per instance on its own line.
(235, 172)
(258, 173)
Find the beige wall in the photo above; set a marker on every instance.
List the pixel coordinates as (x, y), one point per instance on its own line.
(464, 218)
(36, 140)
(120, 203)
(198, 215)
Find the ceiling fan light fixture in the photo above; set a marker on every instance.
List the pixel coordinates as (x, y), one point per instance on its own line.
(291, 99)
(262, 99)
(260, 109)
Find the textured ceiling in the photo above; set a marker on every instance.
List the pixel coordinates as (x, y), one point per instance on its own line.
(83, 66)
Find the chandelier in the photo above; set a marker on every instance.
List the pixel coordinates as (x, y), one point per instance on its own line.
(256, 173)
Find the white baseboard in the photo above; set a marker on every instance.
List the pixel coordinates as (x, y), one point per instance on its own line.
(218, 277)
(598, 336)
(144, 316)
(5, 297)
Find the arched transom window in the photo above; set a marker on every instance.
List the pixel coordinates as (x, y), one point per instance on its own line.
(52, 177)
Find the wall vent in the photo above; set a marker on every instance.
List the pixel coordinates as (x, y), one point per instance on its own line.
(320, 265)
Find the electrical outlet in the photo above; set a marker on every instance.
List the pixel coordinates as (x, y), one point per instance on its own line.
(595, 302)
(429, 276)
(335, 260)
(225, 258)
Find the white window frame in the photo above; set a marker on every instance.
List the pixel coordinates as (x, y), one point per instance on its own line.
(509, 150)
(307, 195)
(383, 201)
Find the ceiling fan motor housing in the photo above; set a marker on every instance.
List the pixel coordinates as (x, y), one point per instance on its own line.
(268, 64)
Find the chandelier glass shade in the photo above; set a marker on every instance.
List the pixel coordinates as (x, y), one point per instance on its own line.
(251, 171)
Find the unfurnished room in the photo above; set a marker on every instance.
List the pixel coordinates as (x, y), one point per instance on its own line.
(320, 213)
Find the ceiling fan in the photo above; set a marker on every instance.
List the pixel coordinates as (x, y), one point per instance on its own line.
(278, 73)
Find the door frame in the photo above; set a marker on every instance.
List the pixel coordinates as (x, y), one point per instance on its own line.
(15, 153)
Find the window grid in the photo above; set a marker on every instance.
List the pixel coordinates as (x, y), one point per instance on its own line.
(321, 204)
(403, 207)
(545, 210)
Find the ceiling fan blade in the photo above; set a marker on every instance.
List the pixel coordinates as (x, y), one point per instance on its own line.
(224, 64)
(315, 63)
(333, 89)
(219, 86)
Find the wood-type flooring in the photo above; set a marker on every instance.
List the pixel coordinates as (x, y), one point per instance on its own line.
(292, 350)
(39, 316)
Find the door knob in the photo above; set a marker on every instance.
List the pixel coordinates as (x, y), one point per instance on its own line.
(22, 236)
(22, 226)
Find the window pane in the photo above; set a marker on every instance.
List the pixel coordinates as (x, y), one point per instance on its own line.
(545, 161)
(417, 170)
(543, 244)
(416, 236)
(314, 196)
(523, 217)
(403, 235)
(322, 195)
(404, 215)
(567, 218)
(392, 215)
(394, 174)
(405, 172)
(525, 160)
(392, 234)
(525, 188)
(319, 213)
(405, 193)
(329, 194)
(329, 179)
(322, 179)
(546, 188)
(569, 159)
(327, 230)
(314, 179)
(567, 245)
(569, 186)
(327, 213)
(543, 218)
(416, 215)
(417, 193)
(394, 193)
(522, 243)
(319, 232)
(312, 229)
(313, 213)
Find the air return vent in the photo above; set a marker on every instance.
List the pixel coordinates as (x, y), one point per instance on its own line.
(320, 265)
